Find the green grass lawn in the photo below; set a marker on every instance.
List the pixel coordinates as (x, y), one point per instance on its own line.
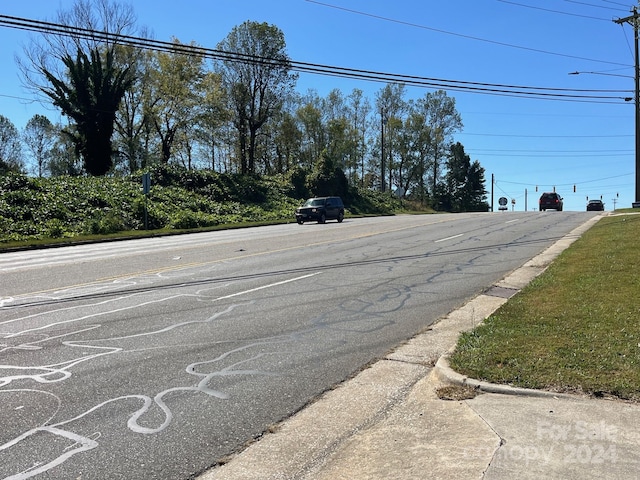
(575, 328)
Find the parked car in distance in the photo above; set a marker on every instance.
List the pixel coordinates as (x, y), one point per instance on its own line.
(595, 206)
(550, 201)
(320, 209)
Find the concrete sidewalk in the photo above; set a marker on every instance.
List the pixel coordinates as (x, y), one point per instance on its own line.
(389, 423)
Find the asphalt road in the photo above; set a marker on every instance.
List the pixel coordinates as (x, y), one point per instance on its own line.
(158, 358)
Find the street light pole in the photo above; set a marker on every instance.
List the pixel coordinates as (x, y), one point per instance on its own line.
(636, 203)
(633, 21)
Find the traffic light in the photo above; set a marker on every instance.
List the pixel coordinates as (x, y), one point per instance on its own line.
(574, 189)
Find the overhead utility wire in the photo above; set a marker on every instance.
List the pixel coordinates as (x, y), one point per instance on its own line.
(46, 27)
(304, 67)
(616, 3)
(554, 11)
(594, 5)
(461, 35)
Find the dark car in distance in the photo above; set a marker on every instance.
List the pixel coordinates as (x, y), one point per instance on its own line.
(320, 209)
(550, 201)
(595, 206)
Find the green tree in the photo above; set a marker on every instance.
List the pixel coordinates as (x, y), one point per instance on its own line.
(476, 184)
(359, 108)
(334, 126)
(39, 136)
(442, 120)
(48, 51)
(71, 59)
(132, 125)
(413, 147)
(312, 128)
(64, 159)
(211, 118)
(341, 133)
(458, 165)
(257, 78)
(90, 97)
(174, 97)
(342, 141)
(288, 143)
(328, 179)
(391, 107)
(10, 147)
(465, 186)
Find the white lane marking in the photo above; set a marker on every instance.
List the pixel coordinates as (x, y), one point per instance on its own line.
(448, 238)
(513, 221)
(266, 286)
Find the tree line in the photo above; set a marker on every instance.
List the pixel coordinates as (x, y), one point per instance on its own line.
(128, 108)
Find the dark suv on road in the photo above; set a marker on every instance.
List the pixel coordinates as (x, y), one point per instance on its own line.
(320, 209)
(550, 201)
(595, 206)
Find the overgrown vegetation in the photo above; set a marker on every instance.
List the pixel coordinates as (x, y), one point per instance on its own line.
(576, 328)
(70, 207)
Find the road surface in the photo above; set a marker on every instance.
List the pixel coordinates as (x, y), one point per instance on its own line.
(158, 358)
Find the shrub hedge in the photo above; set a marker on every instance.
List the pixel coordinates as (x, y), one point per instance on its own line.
(59, 207)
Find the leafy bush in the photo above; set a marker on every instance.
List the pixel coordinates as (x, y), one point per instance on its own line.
(104, 223)
(327, 179)
(56, 228)
(13, 181)
(367, 201)
(188, 219)
(59, 207)
(39, 208)
(297, 177)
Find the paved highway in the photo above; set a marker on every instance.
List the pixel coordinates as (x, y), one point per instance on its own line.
(158, 358)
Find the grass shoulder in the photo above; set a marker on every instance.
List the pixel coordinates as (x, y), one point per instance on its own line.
(575, 328)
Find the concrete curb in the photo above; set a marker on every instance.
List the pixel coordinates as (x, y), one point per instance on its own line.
(446, 374)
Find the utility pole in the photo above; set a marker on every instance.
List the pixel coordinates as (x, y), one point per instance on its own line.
(493, 180)
(633, 21)
(382, 172)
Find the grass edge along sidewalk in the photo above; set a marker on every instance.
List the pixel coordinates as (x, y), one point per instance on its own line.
(575, 328)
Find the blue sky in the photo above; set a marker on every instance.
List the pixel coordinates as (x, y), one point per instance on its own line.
(523, 142)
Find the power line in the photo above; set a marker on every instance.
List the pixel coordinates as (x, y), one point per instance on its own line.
(543, 136)
(549, 151)
(550, 155)
(597, 6)
(555, 11)
(17, 98)
(571, 183)
(461, 35)
(540, 93)
(615, 3)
